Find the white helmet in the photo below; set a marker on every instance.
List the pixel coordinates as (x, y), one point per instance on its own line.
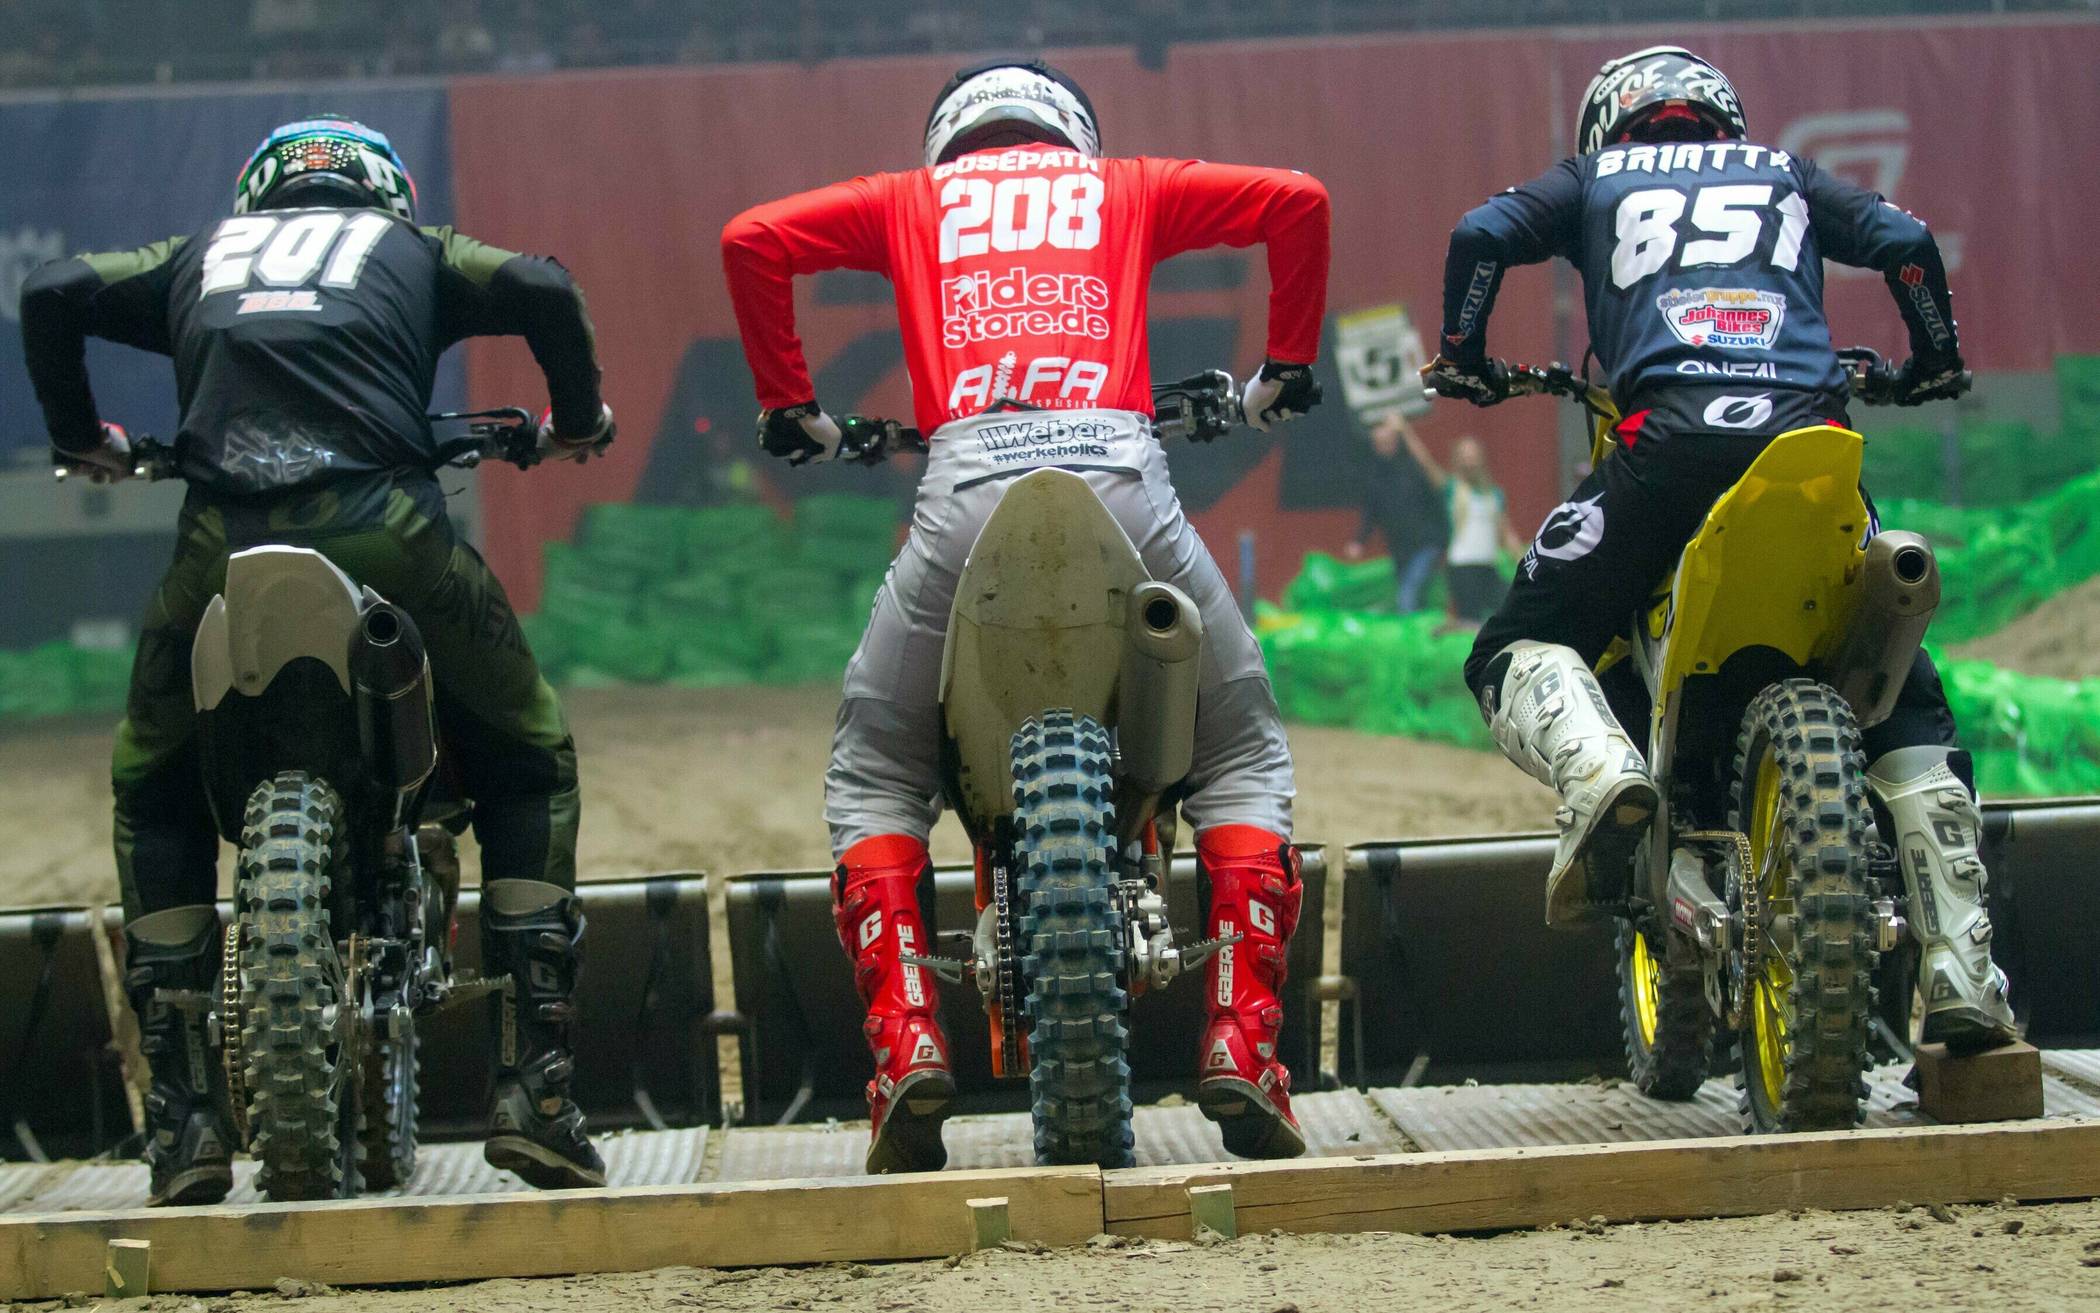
(1028, 97)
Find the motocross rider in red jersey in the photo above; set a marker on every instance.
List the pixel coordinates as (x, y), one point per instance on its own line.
(1021, 260)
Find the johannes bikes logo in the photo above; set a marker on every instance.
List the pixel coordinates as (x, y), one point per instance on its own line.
(1732, 318)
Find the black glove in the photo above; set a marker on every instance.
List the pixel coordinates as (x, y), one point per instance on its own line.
(798, 434)
(110, 460)
(1483, 384)
(1279, 392)
(1920, 381)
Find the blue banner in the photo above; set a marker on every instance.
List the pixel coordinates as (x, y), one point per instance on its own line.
(117, 172)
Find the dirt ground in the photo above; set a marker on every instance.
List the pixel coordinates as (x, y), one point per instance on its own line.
(2000, 1258)
(732, 780)
(2062, 639)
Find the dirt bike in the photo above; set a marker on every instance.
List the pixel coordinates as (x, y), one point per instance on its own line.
(1762, 902)
(1068, 699)
(322, 764)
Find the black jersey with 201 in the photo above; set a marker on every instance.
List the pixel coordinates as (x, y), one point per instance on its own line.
(305, 342)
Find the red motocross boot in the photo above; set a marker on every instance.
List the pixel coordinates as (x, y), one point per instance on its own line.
(877, 912)
(1251, 880)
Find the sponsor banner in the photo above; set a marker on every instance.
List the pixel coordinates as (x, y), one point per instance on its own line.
(101, 174)
(1379, 355)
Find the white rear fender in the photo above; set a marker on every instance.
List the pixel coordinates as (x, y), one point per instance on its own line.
(280, 603)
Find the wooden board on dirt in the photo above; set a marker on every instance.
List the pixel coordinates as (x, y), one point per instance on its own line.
(2000, 1084)
(1501, 1189)
(381, 1241)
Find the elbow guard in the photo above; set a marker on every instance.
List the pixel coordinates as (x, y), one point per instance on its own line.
(50, 288)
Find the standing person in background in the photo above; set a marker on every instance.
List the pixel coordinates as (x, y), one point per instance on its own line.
(1404, 507)
(1476, 514)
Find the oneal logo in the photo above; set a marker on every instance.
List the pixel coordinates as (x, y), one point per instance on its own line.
(263, 303)
(986, 307)
(1739, 412)
(1730, 368)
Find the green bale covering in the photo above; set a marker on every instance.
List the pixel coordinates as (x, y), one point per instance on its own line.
(1328, 583)
(714, 596)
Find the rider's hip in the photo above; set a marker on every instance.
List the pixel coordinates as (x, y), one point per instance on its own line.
(1010, 443)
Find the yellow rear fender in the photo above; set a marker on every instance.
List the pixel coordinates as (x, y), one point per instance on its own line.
(1774, 563)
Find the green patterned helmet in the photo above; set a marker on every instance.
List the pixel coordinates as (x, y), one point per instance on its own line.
(325, 161)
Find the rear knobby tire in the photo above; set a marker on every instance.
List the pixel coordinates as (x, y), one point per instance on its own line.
(291, 982)
(1664, 1021)
(386, 1148)
(1799, 791)
(1071, 940)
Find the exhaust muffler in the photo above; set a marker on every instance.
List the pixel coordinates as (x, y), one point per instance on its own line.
(1156, 693)
(1899, 590)
(396, 721)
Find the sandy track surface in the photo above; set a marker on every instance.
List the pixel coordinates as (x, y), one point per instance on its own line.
(2000, 1258)
(732, 780)
(2062, 639)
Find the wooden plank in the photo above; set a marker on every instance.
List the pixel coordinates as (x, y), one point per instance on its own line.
(990, 1227)
(2001, 1084)
(128, 1272)
(1210, 1209)
(1496, 1189)
(374, 1241)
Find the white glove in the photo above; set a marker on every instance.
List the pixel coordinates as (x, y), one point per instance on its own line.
(800, 434)
(553, 446)
(108, 461)
(1277, 393)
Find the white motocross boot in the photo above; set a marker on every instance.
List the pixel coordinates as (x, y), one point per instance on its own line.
(1549, 716)
(1936, 831)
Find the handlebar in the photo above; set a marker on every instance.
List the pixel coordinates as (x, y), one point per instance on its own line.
(510, 433)
(1873, 381)
(1200, 408)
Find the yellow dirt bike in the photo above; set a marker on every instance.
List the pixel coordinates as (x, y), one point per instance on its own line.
(1761, 902)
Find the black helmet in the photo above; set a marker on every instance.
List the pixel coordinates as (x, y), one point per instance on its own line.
(1024, 95)
(1632, 91)
(323, 162)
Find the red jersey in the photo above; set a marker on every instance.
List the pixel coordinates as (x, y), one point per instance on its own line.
(1023, 274)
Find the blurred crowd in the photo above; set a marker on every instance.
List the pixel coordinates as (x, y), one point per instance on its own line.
(57, 43)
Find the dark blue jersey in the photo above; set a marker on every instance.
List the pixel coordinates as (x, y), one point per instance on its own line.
(1702, 272)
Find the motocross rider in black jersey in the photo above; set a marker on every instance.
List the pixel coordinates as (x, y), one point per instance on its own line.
(1701, 255)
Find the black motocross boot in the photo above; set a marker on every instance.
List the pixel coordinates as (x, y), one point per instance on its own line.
(189, 1123)
(532, 932)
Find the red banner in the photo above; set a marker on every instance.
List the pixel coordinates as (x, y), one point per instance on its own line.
(1981, 128)
(629, 177)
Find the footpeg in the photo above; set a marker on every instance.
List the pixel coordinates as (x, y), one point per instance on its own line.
(950, 969)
